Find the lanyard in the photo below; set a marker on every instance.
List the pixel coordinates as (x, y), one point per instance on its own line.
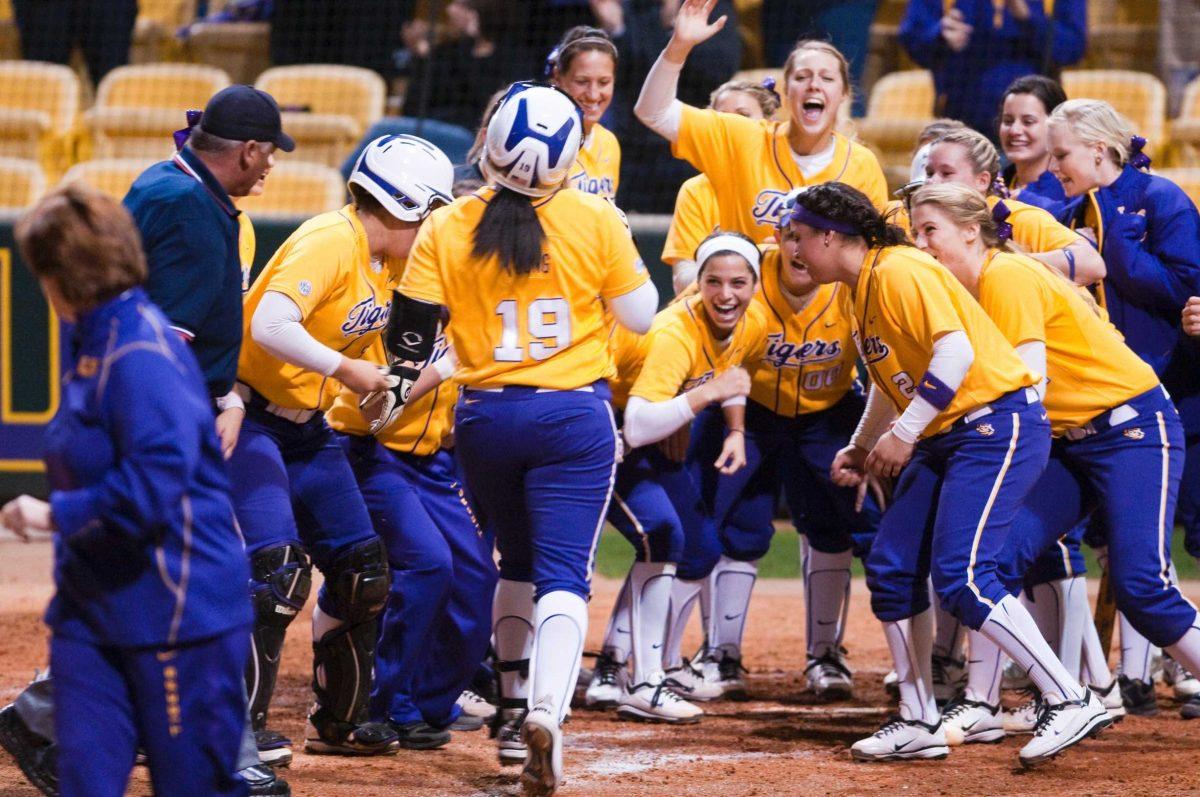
(186, 168)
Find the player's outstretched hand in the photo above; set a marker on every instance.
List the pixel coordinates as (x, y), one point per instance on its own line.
(889, 456)
(849, 467)
(1191, 316)
(26, 515)
(733, 453)
(361, 376)
(692, 28)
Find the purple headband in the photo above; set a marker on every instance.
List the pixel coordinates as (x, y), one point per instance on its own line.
(806, 216)
(1137, 158)
(181, 136)
(1000, 214)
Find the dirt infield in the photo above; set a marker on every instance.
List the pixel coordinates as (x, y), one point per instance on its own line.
(781, 743)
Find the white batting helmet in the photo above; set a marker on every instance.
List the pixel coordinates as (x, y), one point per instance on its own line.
(407, 174)
(532, 139)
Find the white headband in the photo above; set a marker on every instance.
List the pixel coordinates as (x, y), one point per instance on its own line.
(730, 243)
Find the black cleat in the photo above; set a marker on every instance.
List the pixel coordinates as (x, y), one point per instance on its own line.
(35, 755)
(419, 735)
(1138, 697)
(274, 749)
(262, 780)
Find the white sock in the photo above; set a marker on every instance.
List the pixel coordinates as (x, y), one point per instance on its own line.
(1137, 654)
(618, 641)
(1187, 650)
(950, 632)
(1010, 626)
(1042, 603)
(1095, 669)
(733, 581)
(985, 669)
(1074, 612)
(826, 599)
(911, 643)
(560, 625)
(650, 602)
(512, 633)
(683, 596)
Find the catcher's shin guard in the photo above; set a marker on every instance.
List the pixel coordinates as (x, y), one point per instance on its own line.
(280, 580)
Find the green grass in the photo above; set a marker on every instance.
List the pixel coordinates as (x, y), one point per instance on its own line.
(614, 555)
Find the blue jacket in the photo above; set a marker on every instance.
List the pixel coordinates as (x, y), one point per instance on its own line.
(147, 551)
(971, 83)
(1153, 264)
(1046, 192)
(189, 230)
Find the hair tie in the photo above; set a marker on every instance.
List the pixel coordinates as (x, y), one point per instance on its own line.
(181, 136)
(1004, 230)
(551, 62)
(999, 188)
(1137, 158)
(768, 83)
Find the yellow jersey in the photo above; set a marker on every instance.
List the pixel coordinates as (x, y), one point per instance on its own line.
(543, 329)
(246, 248)
(628, 352)
(682, 353)
(422, 426)
(904, 301)
(597, 168)
(1089, 367)
(809, 361)
(1035, 230)
(324, 267)
(752, 168)
(696, 216)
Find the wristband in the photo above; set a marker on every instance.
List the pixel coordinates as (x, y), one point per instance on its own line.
(1070, 263)
(935, 391)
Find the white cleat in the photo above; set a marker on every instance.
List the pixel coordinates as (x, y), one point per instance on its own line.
(475, 706)
(829, 677)
(949, 678)
(901, 739)
(608, 684)
(1023, 718)
(656, 701)
(1110, 698)
(543, 759)
(1183, 684)
(970, 721)
(690, 683)
(1062, 725)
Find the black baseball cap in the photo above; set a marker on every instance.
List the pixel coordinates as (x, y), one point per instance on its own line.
(243, 113)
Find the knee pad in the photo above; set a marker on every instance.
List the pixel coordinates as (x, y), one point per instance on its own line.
(280, 580)
(357, 582)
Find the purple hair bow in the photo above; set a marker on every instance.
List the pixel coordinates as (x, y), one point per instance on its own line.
(768, 83)
(181, 136)
(1000, 214)
(1137, 158)
(999, 188)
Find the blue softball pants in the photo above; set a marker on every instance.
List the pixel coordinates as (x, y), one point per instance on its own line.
(651, 499)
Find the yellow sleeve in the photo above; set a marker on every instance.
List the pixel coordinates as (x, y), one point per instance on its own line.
(422, 277)
(871, 181)
(1015, 299)
(918, 303)
(667, 367)
(623, 267)
(709, 140)
(756, 337)
(696, 215)
(313, 267)
(1036, 231)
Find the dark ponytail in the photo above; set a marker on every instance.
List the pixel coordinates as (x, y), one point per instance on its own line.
(511, 230)
(848, 205)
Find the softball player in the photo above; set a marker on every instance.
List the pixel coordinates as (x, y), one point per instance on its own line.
(696, 211)
(664, 379)
(1026, 106)
(584, 65)
(311, 315)
(534, 429)
(970, 443)
(1146, 228)
(753, 164)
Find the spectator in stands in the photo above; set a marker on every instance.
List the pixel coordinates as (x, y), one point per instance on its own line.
(50, 29)
(845, 23)
(976, 48)
(362, 33)
(1024, 140)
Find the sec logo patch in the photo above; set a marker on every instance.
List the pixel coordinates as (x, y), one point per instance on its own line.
(1134, 434)
(986, 429)
(305, 287)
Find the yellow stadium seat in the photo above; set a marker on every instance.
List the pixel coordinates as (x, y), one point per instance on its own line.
(39, 104)
(335, 99)
(154, 32)
(1139, 96)
(21, 183)
(295, 188)
(240, 48)
(113, 176)
(900, 106)
(132, 132)
(1187, 178)
(1185, 131)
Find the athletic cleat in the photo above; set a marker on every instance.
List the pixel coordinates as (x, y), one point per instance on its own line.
(655, 701)
(1063, 725)
(1015, 677)
(828, 677)
(465, 723)
(1023, 719)
(474, 705)
(1191, 709)
(1183, 684)
(35, 755)
(729, 674)
(949, 678)
(1138, 697)
(970, 721)
(900, 739)
(1110, 698)
(690, 683)
(274, 749)
(419, 735)
(263, 782)
(891, 684)
(608, 684)
(543, 759)
(330, 737)
(510, 747)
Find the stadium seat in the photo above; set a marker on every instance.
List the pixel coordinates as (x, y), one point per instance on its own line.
(240, 48)
(295, 188)
(154, 32)
(1141, 97)
(1185, 131)
(1187, 178)
(138, 107)
(21, 183)
(39, 104)
(326, 106)
(113, 176)
(900, 106)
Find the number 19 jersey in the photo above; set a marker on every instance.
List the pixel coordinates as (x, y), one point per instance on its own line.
(543, 329)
